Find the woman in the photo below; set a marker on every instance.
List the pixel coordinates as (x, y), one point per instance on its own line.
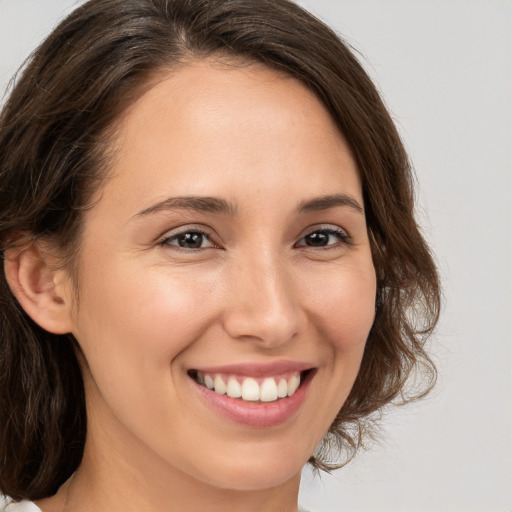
(210, 259)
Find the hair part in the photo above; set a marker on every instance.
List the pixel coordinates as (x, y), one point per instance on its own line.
(56, 136)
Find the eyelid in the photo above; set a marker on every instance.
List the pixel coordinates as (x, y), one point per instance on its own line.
(188, 228)
(345, 238)
(209, 234)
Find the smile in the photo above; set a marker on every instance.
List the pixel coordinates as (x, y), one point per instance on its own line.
(251, 389)
(254, 395)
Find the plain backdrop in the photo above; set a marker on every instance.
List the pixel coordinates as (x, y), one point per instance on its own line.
(445, 70)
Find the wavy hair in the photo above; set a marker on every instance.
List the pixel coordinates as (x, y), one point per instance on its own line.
(54, 155)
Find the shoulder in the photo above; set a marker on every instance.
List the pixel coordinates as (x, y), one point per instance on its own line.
(7, 505)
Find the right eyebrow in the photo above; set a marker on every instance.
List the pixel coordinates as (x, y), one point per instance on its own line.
(199, 203)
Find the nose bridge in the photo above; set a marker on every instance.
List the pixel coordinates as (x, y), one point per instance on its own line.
(263, 302)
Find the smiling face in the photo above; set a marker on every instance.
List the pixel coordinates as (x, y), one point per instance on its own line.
(228, 249)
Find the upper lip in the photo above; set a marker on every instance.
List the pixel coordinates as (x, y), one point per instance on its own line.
(258, 369)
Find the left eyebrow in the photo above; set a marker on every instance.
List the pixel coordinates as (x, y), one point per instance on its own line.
(330, 201)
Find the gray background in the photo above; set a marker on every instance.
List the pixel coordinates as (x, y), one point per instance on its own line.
(445, 69)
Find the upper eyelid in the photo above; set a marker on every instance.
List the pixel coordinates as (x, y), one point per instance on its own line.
(165, 241)
(346, 238)
(187, 228)
(324, 227)
(210, 233)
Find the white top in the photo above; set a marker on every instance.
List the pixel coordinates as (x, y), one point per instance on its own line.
(6, 505)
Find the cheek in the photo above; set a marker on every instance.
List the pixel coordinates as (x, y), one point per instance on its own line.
(143, 311)
(131, 326)
(342, 311)
(345, 306)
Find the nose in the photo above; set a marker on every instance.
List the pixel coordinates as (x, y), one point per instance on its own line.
(263, 303)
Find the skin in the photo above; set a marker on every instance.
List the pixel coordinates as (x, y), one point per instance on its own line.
(253, 292)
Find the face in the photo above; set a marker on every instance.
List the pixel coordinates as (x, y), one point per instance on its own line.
(227, 250)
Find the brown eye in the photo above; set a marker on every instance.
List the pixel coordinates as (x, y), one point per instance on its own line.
(324, 238)
(189, 240)
(317, 239)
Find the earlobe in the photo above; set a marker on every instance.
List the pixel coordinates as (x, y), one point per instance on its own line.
(40, 289)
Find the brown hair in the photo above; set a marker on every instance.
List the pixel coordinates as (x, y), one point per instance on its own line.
(52, 158)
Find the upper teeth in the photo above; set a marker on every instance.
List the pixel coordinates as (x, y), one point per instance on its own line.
(250, 389)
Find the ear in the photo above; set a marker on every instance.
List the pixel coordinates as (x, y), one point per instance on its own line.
(42, 290)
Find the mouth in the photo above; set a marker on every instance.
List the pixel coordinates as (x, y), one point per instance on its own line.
(254, 395)
(252, 388)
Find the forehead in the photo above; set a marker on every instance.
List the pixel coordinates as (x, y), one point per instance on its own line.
(198, 129)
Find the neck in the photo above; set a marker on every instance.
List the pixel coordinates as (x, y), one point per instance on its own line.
(138, 482)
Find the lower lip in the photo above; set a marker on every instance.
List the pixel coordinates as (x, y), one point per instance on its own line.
(256, 414)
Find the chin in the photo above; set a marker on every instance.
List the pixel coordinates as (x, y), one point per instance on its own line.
(257, 479)
(253, 472)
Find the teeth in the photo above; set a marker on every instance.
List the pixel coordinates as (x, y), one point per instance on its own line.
(293, 384)
(234, 389)
(208, 381)
(250, 390)
(220, 387)
(268, 391)
(282, 388)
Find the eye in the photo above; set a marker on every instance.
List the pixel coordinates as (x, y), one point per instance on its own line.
(324, 237)
(189, 240)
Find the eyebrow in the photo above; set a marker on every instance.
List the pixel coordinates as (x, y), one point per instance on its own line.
(217, 205)
(330, 201)
(203, 204)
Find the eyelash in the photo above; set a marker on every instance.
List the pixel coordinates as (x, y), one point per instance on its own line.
(342, 236)
(343, 239)
(167, 241)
